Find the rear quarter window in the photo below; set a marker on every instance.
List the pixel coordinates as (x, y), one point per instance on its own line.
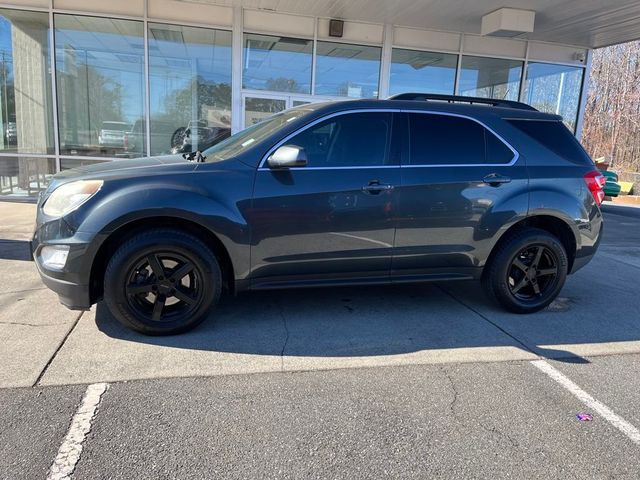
(453, 140)
(555, 136)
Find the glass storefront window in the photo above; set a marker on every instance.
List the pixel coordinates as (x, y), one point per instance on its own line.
(100, 82)
(190, 86)
(422, 72)
(554, 89)
(25, 176)
(26, 113)
(279, 64)
(257, 109)
(72, 162)
(490, 77)
(345, 70)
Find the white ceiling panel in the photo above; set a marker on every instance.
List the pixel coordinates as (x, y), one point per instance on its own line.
(589, 23)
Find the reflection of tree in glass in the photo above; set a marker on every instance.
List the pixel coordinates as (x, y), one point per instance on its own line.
(105, 99)
(204, 95)
(555, 94)
(283, 84)
(87, 98)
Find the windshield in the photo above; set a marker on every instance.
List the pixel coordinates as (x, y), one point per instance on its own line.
(248, 137)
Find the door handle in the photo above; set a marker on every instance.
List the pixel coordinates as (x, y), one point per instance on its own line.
(496, 179)
(376, 187)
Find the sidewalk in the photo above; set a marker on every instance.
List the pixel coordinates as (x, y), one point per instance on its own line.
(32, 322)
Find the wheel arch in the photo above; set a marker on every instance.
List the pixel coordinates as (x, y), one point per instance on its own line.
(128, 229)
(554, 225)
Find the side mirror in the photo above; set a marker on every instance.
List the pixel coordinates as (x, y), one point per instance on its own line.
(287, 156)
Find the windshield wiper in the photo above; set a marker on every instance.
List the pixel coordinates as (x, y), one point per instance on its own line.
(194, 156)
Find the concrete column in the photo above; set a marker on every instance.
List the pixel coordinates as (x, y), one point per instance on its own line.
(385, 63)
(32, 89)
(236, 71)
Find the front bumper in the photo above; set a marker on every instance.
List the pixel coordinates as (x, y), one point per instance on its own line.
(72, 283)
(71, 295)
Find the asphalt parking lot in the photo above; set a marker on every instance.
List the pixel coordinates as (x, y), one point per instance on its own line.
(416, 381)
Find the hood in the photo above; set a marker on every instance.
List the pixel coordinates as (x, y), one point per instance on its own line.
(118, 169)
(122, 166)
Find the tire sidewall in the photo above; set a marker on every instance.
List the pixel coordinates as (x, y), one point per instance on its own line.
(137, 248)
(503, 263)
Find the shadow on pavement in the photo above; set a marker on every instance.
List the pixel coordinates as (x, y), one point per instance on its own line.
(356, 322)
(14, 250)
(626, 210)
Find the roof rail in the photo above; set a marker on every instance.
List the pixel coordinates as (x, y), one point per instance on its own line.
(494, 102)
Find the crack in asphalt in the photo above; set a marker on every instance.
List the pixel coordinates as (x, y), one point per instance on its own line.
(286, 339)
(489, 429)
(453, 389)
(485, 318)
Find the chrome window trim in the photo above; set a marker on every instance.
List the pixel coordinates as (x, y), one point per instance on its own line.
(515, 158)
(261, 166)
(516, 155)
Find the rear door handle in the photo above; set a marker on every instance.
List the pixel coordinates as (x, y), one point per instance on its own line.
(376, 187)
(496, 179)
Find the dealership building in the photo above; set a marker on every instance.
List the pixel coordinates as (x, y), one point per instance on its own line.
(84, 81)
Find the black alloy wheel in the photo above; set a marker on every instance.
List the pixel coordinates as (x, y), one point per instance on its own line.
(162, 281)
(527, 270)
(533, 271)
(164, 285)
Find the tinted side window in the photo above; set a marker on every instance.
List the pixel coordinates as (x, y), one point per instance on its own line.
(449, 140)
(354, 139)
(556, 137)
(497, 151)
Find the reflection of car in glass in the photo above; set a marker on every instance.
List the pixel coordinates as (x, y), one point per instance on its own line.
(161, 132)
(200, 134)
(166, 138)
(112, 134)
(356, 192)
(611, 187)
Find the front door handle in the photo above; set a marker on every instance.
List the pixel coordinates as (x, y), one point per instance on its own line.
(375, 187)
(496, 179)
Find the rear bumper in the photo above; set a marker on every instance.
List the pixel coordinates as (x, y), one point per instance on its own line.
(590, 237)
(580, 262)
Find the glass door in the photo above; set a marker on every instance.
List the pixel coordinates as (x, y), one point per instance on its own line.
(258, 107)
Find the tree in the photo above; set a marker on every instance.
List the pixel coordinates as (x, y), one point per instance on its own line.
(612, 114)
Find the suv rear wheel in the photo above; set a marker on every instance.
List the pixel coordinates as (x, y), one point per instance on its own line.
(527, 271)
(162, 281)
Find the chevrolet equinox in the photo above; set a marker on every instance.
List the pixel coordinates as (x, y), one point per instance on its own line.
(411, 189)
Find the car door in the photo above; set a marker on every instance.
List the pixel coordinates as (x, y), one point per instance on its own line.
(332, 219)
(460, 184)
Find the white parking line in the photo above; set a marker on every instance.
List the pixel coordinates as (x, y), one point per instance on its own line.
(617, 421)
(71, 448)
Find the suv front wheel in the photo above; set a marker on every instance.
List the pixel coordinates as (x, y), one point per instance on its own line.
(527, 271)
(162, 282)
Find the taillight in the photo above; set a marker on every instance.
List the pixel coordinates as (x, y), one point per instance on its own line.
(595, 182)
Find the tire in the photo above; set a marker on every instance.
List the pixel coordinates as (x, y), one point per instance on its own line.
(510, 278)
(162, 282)
(177, 138)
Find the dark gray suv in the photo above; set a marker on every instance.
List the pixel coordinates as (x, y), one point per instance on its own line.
(411, 189)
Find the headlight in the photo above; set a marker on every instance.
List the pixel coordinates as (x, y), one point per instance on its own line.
(70, 196)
